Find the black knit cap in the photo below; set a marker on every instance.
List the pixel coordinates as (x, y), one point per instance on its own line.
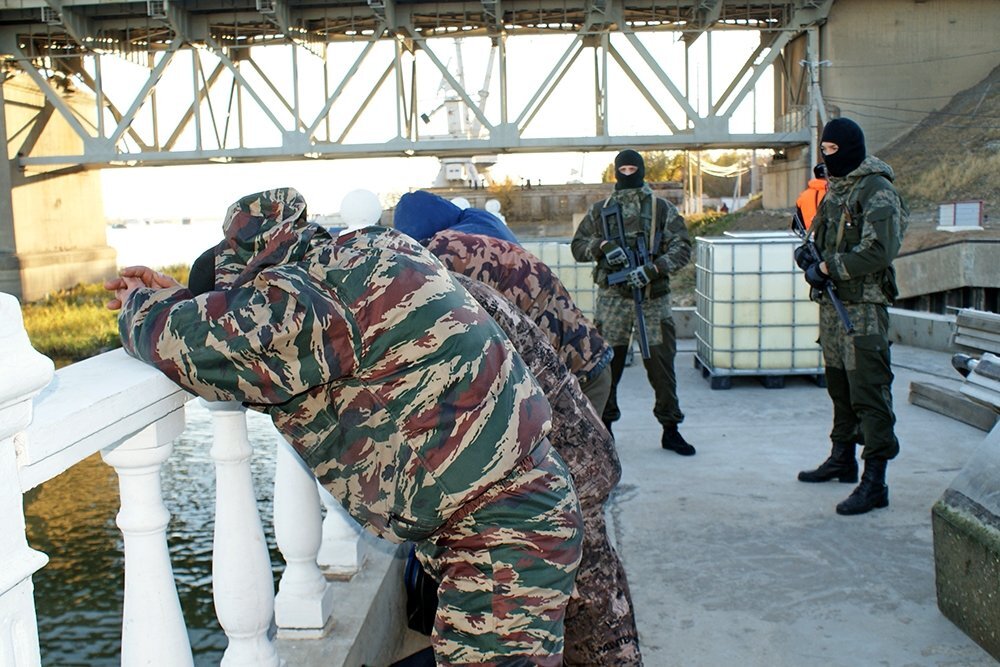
(201, 279)
(850, 142)
(629, 157)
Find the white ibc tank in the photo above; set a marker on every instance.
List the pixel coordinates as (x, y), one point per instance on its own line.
(753, 307)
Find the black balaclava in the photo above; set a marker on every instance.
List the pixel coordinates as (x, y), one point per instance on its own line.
(201, 279)
(850, 142)
(635, 180)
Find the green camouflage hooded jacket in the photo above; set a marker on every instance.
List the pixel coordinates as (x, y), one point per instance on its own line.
(668, 241)
(390, 381)
(534, 289)
(859, 229)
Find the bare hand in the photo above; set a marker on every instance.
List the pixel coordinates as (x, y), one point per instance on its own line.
(132, 278)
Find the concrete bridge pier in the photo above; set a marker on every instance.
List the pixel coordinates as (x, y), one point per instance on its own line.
(52, 228)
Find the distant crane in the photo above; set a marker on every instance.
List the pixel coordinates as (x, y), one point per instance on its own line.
(461, 124)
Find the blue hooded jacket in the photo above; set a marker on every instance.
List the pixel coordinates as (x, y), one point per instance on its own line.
(420, 215)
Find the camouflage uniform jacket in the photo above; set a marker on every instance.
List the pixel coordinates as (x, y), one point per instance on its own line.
(858, 229)
(390, 381)
(577, 432)
(530, 284)
(669, 247)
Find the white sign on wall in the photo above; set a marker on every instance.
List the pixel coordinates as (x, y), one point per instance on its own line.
(960, 216)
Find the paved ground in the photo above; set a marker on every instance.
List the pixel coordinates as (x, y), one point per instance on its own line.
(735, 563)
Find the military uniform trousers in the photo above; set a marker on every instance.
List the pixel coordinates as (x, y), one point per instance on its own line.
(506, 569)
(615, 319)
(859, 378)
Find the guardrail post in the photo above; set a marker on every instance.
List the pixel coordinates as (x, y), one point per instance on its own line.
(242, 577)
(153, 629)
(341, 553)
(24, 373)
(304, 603)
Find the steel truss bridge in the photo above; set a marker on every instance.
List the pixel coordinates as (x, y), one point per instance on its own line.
(171, 82)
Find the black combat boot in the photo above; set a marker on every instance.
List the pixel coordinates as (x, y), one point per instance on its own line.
(841, 466)
(675, 442)
(872, 493)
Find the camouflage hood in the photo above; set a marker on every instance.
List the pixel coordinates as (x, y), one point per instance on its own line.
(264, 229)
(871, 165)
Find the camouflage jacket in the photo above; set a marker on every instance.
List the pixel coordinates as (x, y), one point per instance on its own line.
(530, 284)
(858, 229)
(391, 382)
(669, 243)
(577, 431)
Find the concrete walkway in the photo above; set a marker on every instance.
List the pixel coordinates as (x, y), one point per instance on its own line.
(732, 562)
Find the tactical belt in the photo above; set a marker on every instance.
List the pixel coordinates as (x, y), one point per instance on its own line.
(529, 462)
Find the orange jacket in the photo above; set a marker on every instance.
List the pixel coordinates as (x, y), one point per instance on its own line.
(809, 199)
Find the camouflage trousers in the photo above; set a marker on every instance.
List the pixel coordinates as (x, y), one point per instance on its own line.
(600, 621)
(614, 318)
(614, 315)
(506, 570)
(859, 378)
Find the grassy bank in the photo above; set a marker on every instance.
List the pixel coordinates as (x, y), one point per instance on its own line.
(73, 324)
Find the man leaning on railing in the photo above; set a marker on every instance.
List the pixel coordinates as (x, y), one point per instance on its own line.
(404, 398)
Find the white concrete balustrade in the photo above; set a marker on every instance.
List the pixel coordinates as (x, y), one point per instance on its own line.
(131, 413)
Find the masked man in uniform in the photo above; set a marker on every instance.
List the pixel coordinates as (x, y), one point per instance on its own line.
(401, 394)
(858, 230)
(663, 232)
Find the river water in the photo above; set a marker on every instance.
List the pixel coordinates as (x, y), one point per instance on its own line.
(71, 518)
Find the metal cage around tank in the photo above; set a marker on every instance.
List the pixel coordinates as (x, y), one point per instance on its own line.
(753, 316)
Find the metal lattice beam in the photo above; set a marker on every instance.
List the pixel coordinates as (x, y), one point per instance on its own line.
(163, 35)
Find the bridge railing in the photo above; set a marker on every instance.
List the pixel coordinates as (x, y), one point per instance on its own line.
(130, 413)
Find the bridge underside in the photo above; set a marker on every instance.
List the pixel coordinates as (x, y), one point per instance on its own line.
(250, 80)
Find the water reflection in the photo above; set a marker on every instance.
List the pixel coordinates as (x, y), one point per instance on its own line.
(78, 595)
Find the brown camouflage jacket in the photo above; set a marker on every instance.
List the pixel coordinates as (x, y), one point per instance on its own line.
(530, 284)
(390, 381)
(577, 431)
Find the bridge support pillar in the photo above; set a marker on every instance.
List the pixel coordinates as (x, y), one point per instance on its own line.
(52, 228)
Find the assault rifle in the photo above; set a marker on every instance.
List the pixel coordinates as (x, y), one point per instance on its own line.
(799, 227)
(614, 230)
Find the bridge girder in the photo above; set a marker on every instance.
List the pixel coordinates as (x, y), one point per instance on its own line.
(162, 36)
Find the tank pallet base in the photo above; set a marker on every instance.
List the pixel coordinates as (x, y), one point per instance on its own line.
(718, 379)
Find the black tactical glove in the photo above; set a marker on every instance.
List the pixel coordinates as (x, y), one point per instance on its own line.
(803, 257)
(815, 276)
(613, 253)
(642, 276)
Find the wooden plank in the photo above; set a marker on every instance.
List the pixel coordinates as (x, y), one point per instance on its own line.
(977, 344)
(952, 404)
(978, 333)
(978, 319)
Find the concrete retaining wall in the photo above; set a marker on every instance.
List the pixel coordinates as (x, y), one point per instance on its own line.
(965, 263)
(892, 62)
(966, 525)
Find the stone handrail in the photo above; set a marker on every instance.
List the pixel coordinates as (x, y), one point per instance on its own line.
(131, 413)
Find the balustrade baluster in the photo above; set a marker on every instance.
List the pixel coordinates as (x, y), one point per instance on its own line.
(242, 578)
(304, 602)
(153, 630)
(342, 551)
(24, 373)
